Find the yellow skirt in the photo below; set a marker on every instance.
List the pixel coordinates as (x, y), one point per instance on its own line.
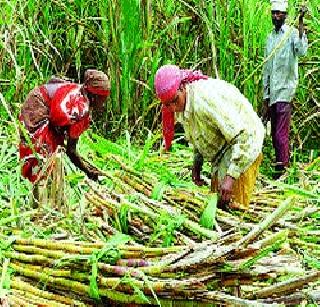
(243, 186)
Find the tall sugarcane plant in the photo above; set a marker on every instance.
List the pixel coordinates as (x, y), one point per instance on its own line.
(129, 39)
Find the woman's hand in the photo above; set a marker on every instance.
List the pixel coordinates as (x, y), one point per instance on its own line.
(198, 181)
(196, 170)
(225, 189)
(93, 174)
(91, 171)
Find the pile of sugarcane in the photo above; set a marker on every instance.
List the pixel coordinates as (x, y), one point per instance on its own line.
(132, 192)
(265, 255)
(134, 273)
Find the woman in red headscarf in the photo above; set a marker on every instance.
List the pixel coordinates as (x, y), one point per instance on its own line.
(59, 111)
(221, 125)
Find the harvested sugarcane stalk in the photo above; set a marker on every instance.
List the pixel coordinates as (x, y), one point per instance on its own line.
(17, 300)
(223, 298)
(271, 219)
(26, 288)
(295, 299)
(75, 286)
(288, 286)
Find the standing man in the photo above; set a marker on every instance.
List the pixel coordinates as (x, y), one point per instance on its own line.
(280, 78)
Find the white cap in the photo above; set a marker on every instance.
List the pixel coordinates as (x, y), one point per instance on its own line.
(279, 5)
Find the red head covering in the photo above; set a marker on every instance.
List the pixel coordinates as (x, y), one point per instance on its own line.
(167, 81)
(169, 77)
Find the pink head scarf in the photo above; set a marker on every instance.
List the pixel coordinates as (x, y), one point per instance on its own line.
(169, 78)
(167, 81)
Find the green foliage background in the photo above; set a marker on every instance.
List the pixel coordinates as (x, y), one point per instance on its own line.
(130, 39)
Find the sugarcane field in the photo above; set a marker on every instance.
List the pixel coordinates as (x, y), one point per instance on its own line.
(161, 153)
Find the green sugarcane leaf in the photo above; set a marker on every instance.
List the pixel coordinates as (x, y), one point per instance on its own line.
(123, 218)
(208, 217)
(75, 178)
(165, 228)
(118, 239)
(5, 277)
(157, 191)
(128, 280)
(262, 253)
(93, 286)
(311, 261)
(110, 254)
